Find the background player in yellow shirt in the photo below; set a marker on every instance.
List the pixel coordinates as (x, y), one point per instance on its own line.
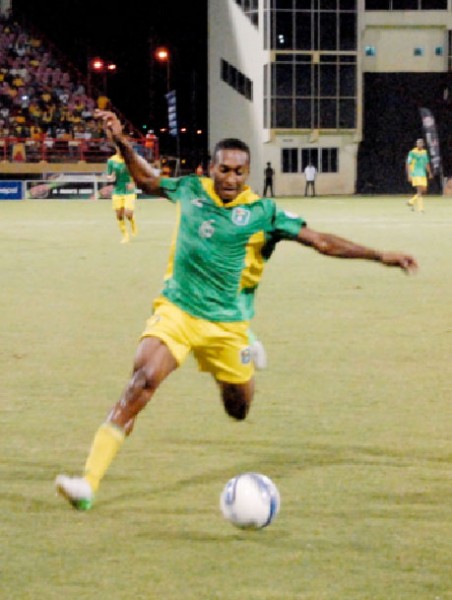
(123, 195)
(224, 235)
(417, 169)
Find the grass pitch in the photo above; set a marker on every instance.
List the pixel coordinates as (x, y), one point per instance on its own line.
(352, 419)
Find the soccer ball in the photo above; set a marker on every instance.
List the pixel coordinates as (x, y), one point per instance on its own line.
(250, 501)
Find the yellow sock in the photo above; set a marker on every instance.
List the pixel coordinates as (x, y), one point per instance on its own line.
(106, 443)
(133, 226)
(420, 203)
(413, 200)
(122, 227)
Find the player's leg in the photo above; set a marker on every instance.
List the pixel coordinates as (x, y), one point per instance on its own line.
(223, 349)
(421, 190)
(412, 202)
(129, 212)
(164, 346)
(418, 202)
(153, 363)
(118, 206)
(237, 398)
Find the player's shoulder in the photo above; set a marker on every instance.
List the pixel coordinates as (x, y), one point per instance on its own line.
(182, 185)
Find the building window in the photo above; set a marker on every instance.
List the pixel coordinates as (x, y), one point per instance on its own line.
(329, 160)
(289, 160)
(310, 92)
(237, 80)
(312, 82)
(313, 25)
(439, 50)
(406, 4)
(295, 160)
(370, 51)
(418, 51)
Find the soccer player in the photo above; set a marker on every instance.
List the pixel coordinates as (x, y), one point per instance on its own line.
(417, 169)
(224, 232)
(123, 196)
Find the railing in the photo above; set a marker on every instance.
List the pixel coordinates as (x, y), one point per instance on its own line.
(55, 150)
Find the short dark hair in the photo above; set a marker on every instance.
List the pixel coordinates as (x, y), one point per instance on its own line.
(231, 144)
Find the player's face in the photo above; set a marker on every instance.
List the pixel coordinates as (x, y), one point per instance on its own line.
(420, 144)
(229, 172)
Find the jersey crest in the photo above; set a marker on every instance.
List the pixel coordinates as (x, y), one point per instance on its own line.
(240, 216)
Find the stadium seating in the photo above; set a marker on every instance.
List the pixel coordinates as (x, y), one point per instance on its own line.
(46, 113)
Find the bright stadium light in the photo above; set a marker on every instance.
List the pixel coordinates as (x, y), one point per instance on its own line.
(162, 54)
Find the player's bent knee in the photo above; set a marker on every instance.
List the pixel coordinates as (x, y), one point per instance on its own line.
(237, 411)
(237, 400)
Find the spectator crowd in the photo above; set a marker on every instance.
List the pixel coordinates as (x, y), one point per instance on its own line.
(43, 105)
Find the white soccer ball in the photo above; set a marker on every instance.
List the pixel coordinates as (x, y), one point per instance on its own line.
(250, 501)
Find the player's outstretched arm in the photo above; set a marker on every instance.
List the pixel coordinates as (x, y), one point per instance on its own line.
(332, 245)
(142, 172)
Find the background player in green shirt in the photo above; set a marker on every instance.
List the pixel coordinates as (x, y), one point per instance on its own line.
(417, 169)
(123, 196)
(224, 234)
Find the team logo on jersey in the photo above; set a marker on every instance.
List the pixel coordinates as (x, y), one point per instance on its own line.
(245, 356)
(197, 202)
(290, 215)
(240, 216)
(206, 229)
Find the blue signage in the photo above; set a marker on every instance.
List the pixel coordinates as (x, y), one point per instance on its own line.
(172, 112)
(11, 190)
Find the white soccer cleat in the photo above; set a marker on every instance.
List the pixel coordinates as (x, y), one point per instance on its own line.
(76, 490)
(259, 355)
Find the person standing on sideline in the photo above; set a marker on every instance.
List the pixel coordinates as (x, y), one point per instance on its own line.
(417, 168)
(269, 174)
(224, 235)
(310, 174)
(123, 196)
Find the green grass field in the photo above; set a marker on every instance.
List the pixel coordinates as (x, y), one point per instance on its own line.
(352, 419)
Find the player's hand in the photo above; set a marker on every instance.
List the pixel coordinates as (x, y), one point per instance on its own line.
(406, 262)
(105, 191)
(111, 122)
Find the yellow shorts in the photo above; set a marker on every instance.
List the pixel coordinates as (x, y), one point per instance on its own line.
(126, 201)
(221, 349)
(419, 182)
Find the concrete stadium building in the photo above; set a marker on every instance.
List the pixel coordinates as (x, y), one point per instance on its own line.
(335, 82)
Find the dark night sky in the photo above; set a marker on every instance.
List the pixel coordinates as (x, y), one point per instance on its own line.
(83, 28)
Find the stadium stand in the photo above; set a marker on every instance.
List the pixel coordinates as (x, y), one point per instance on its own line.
(46, 105)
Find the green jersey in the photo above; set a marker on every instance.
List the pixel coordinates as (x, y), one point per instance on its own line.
(123, 180)
(417, 162)
(219, 250)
